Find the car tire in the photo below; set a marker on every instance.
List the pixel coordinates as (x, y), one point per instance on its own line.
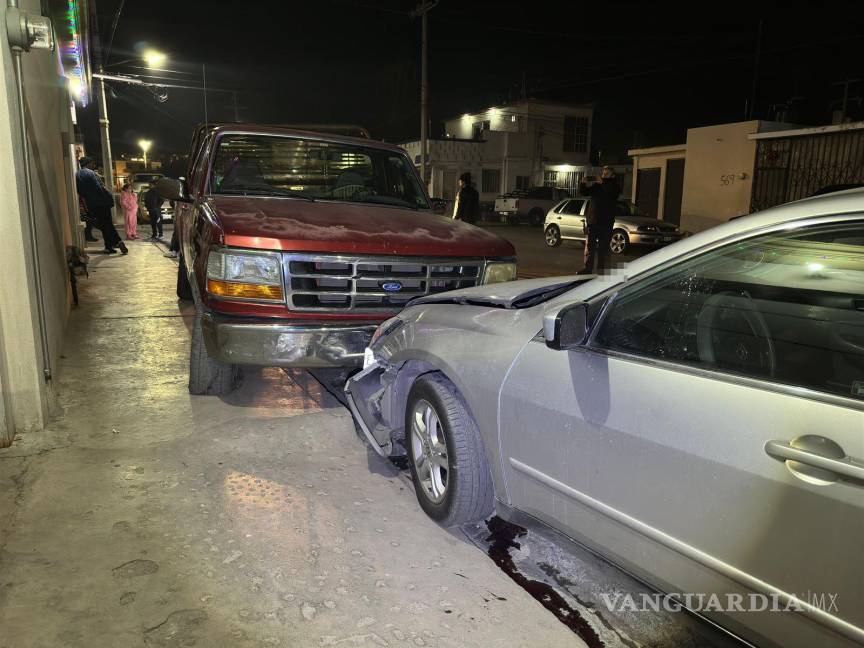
(184, 290)
(208, 376)
(536, 217)
(552, 236)
(619, 242)
(463, 491)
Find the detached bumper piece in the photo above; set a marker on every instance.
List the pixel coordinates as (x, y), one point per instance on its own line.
(364, 392)
(266, 344)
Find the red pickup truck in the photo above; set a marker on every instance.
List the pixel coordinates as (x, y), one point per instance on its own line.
(295, 245)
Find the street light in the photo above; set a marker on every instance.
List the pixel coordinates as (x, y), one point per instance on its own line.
(154, 59)
(145, 146)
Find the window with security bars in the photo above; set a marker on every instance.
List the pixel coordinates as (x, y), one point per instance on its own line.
(575, 134)
(568, 180)
(490, 180)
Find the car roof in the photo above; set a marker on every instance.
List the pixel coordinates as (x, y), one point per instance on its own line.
(265, 129)
(841, 202)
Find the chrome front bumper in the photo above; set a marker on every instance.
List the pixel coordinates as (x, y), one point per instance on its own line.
(268, 344)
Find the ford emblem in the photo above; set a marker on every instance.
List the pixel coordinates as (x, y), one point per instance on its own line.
(393, 286)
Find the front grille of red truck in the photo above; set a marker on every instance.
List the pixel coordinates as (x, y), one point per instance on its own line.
(370, 284)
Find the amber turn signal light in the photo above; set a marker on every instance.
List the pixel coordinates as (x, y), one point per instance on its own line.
(243, 290)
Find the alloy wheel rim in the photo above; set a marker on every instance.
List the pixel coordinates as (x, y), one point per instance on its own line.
(618, 243)
(551, 236)
(429, 451)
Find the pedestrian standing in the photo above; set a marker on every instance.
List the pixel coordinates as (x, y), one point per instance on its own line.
(99, 203)
(600, 219)
(467, 207)
(153, 201)
(129, 202)
(87, 219)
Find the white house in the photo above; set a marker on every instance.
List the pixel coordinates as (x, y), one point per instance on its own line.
(515, 146)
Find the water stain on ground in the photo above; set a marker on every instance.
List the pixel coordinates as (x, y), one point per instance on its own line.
(502, 538)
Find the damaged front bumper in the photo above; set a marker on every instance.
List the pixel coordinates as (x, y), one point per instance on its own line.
(368, 394)
(245, 341)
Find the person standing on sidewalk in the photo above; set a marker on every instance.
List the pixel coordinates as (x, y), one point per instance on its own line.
(99, 203)
(467, 207)
(600, 219)
(129, 202)
(153, 201)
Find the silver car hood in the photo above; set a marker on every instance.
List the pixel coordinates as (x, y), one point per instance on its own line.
(510, 294)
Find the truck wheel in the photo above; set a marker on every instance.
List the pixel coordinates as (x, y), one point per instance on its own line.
(184, 290)
(208, 376)
(536, 217)
(448, 463)
(619, 242)
(552, 236)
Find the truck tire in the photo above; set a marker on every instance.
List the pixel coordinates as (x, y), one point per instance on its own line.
(207, 376)
(184, 290)
(456, 487)
(536, 217)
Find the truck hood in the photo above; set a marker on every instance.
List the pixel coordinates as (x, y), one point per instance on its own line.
(337, 227)
(511, 294)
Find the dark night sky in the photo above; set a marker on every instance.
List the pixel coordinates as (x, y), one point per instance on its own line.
(650, 74)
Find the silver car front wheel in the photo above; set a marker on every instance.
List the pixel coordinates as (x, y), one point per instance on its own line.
(446, 455)
(619, 242)
(429, 451)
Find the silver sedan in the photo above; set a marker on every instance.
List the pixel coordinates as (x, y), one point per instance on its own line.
(566, 222)
(697, 417)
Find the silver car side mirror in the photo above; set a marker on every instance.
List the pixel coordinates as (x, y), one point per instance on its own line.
(567, 328)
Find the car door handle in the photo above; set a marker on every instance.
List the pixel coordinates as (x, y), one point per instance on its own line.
(816, 459)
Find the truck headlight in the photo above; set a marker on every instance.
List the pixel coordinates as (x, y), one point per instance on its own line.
(245, 275)
(499, 272)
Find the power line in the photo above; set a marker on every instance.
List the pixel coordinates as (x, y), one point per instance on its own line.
(114, 30)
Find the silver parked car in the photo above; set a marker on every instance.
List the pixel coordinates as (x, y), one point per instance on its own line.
(566, 221)
(697, 417)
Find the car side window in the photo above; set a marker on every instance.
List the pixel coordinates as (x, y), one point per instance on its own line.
(573, 207)
(786, 307)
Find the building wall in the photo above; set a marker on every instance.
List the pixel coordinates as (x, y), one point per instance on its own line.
(718, 175)
(655, 159)
(26, 394)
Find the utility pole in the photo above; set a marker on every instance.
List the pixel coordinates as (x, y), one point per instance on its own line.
(107, 159)
(752, 106)
(845, 101)
(422, 9)
(204, 81)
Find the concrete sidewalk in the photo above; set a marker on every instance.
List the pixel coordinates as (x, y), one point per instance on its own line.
(146, 517)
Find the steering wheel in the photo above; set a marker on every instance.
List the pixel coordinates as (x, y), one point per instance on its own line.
(723, 342)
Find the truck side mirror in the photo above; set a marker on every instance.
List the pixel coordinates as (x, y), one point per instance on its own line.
(171, 189)
(567, 328)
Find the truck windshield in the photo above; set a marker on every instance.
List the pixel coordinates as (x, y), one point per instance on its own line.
(268, 165)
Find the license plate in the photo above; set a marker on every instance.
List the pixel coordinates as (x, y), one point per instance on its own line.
(667, 239)
(368, 358)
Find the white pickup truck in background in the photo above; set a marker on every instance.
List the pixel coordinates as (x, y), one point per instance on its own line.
(528, 206)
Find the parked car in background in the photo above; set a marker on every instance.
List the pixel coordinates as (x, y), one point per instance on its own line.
(529, 206)
(566, 222)
(696, 418)
(141, 181)
(296, 245)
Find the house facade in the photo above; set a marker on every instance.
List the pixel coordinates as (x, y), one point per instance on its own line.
(510, 147)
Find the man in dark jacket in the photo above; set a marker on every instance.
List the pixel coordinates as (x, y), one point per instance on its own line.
(600, 219)
(99, 202)
(153, 202)
(467, 207)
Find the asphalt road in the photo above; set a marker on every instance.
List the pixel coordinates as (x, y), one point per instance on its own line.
(536, 259)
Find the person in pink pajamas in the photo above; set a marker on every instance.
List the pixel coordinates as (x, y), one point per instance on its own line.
(129, 202)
